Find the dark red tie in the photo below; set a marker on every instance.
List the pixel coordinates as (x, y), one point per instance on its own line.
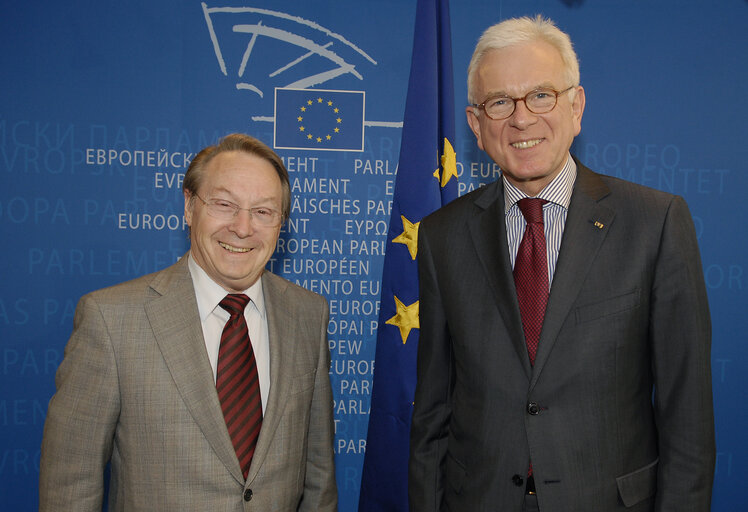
(531, 273)
(237, 382)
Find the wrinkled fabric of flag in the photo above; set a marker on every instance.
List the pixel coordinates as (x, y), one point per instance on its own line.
(426, 180)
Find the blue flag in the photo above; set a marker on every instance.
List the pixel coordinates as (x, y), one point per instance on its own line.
(319, 119)
(426, 180)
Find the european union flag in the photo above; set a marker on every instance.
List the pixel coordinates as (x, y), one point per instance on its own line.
(426, 179)
(319, 119)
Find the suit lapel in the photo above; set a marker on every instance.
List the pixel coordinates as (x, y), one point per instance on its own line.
(587, 225)
(488, 232)
(175, 321)
(281, 358)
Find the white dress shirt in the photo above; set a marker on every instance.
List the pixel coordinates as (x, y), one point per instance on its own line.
(213, 318)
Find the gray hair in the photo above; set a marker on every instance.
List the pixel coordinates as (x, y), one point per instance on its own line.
(237, 142)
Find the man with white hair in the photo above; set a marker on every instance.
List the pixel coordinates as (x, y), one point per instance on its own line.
(564, 353)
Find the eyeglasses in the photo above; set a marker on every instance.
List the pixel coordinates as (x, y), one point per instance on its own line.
(226, 210)
(539, 101)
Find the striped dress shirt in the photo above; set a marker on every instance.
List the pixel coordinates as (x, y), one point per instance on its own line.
(558, 195)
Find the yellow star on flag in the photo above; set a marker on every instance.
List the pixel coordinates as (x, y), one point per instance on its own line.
(409, 236)
(448, 163)
(406, 318)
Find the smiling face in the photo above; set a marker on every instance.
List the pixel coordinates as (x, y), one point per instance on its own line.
(531, 149)
(234, 252)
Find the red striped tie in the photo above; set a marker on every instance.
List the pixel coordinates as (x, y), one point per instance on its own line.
(237, 382)
(531, 273)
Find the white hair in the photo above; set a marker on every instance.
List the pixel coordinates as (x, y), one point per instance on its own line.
(516, 31)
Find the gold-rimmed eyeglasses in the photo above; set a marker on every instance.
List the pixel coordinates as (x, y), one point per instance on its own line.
(538, 101)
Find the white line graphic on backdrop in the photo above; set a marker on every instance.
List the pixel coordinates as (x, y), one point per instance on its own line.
(309, 48)
(381, 124)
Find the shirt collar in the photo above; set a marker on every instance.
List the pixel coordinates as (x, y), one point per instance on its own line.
(209, 293)
(558, 191)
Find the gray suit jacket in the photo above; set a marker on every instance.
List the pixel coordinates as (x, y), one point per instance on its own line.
(616, 413)
(136, 387)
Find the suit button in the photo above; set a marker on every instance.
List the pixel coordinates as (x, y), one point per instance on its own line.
(247, 494)
(533, 409)
(518, 481)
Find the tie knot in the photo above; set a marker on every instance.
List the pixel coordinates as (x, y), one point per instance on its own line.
(234, 303)
(532, 209)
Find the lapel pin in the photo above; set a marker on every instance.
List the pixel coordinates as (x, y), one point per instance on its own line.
(599, 225)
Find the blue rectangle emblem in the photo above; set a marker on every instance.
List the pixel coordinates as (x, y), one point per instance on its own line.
(319, 119)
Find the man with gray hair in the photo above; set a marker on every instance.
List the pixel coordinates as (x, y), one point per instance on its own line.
(564, 353)
(204, 385)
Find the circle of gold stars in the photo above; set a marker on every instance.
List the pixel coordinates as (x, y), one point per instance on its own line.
(319, 102)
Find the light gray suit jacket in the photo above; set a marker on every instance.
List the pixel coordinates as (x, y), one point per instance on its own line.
(136, 387)
(616, 413)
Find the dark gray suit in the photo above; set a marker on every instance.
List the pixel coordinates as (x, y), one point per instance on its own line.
(627, 315)
(136, 386)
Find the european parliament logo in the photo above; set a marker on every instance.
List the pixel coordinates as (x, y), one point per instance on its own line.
(256, 46)
(319, 119)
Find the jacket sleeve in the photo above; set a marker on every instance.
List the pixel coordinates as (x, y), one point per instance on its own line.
(320, 490)
(680, 333)
(82, 415)
(432, 409)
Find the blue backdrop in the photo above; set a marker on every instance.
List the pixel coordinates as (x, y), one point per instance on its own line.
(103, 104)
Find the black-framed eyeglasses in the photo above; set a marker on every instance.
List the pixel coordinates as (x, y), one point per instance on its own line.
(226, 210)
(538, 101)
